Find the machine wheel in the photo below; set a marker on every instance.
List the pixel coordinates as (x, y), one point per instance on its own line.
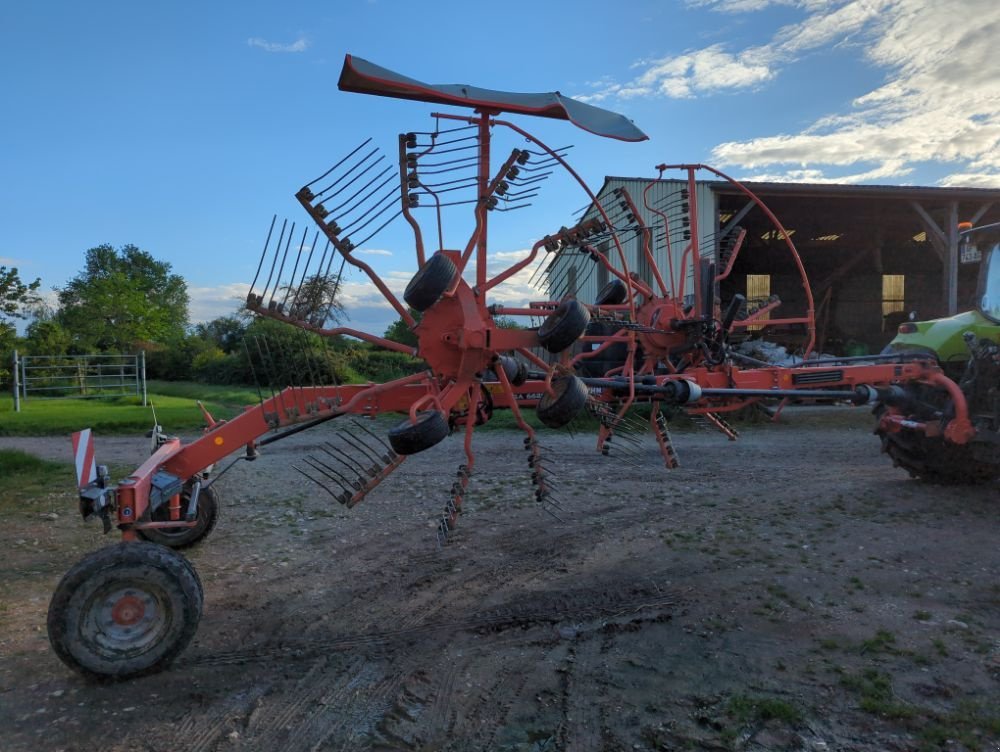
(430, 282)
(125, 611)
(934, 460)
(563, 326)
(184, 537)
(515, 370)
(613, 293)
(556, 410)
(410, 438)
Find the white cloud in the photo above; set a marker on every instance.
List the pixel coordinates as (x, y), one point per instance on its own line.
(299, 45)
(374, 252)
(7, 261)
(939, 101)
(209, 303)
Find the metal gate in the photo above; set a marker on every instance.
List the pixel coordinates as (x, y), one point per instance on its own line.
(88, 376)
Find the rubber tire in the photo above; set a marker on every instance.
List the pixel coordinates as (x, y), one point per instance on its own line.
(157, 570)
(185, 537)
(410, 438)
(430, 282)
(555, 411)
(613, 293)
(564, 326)
(515, 370)
(935, 461)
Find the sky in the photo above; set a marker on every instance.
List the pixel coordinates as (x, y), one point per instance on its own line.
(184, 127)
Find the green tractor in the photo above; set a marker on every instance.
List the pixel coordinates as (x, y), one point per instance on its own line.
(949, 431)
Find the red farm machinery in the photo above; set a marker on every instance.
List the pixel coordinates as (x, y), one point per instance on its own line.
(655, 335)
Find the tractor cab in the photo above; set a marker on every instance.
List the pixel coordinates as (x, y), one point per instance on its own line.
(983, 243)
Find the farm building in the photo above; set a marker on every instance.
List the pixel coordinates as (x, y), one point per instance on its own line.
(872, 253)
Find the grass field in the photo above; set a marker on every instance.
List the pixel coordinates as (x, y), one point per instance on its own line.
(174, 402)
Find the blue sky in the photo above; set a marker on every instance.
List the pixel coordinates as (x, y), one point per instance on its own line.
(183, 127)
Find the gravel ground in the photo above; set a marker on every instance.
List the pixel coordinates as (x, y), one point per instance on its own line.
(790, 590)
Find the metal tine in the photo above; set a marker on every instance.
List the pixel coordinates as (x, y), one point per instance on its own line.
(323, 199)
(289, 371)
(512, 208)
(342, 499)
(384, 225)
(474, 160)
(456, 181)
(361, 146)
(350, 170)
(281, 269)
(546, 509)
(298, 257)
(468, 165)
(387, 200)
(390, 452)
(333, 295)
(364, 198)
(263, 255)
(438, 131)
(274, 262)
(267, 364)
(345, 459)
(253, 371)
(433, 150)
(313, 462)
(435, 143)
(532, 180)
(305, 270)
(360, 445)
(304, 339)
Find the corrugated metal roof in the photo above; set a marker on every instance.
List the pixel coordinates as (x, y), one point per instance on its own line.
(845, 190)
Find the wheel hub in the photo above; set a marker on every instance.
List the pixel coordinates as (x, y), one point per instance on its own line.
(128, 610)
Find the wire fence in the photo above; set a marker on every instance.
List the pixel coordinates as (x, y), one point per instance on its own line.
(99, 376)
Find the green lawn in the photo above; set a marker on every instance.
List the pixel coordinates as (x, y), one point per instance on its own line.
(175, 403)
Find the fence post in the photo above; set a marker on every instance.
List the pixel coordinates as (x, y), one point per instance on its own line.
(24, 378)
(143, 377)
(17, 395)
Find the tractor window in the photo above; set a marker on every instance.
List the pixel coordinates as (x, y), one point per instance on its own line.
(990, 301)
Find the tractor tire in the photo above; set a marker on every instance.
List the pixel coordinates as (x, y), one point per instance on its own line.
(429, 283)
(556, 410)
(185, 537)
(613, 293)
(564, 326)
(936, 461)
(125, 611)
(410, 438)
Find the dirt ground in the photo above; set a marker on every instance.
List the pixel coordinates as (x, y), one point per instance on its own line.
(791, 590)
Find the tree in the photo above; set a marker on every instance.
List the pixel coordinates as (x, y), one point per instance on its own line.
(399, 331)
(226, 332)
(122, 297)
(15, 295)
(315, 300)
(15, 298)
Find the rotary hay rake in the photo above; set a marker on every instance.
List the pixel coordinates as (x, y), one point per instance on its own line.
(130, 609)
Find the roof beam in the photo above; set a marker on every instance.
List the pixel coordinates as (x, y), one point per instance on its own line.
(934, 233)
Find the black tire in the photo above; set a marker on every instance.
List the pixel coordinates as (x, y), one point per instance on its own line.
(515, 370)
(563, 326)
(430, 282)
(556, 410)
(125, 611)
(613, 293)
(185, 537)
(936, 461)
(410, 438)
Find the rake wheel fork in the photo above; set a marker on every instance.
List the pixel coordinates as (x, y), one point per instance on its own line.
(485, 123)
(810, 318)
(344, 249)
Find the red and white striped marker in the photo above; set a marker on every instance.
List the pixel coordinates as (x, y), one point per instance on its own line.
(83, 451)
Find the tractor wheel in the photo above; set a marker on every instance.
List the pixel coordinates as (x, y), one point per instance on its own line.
(556, 410)
(430, 282)
(125, 611)
(410, 438)
(613, 293)
(934, 460)
(563, 326)
(184, 537)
